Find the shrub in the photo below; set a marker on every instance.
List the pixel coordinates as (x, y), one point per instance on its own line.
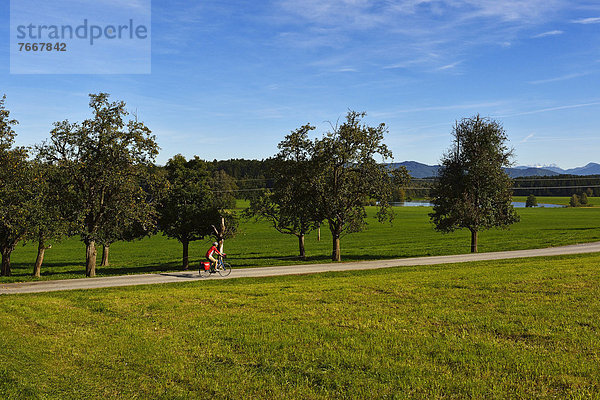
(531, 201)
(574, 202)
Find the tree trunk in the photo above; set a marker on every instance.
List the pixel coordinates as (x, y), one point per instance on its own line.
(473, 241)
(319, 234)
(6, 262)
(105, 249)
(90, 259)
(336, 255)
(186, 261)
(37, 268)
(301, 245)
(222, 234)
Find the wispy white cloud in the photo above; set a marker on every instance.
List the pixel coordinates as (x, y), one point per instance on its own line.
(346, 69)
(450, 66)
(449, 107)
(549, 33)
(549, 109)
(559, 78)
(406, 33)
(525, 139)
(587, 21)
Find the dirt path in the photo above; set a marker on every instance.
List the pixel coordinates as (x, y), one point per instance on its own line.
(187, 276)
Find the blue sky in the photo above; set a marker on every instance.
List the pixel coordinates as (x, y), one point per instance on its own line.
(231, 78)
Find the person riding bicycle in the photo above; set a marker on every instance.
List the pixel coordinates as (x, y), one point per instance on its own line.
(209, 255)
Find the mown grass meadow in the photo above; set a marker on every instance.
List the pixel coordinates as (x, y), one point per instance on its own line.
(517, 329)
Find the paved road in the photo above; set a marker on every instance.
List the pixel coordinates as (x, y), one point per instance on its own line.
(187, 276)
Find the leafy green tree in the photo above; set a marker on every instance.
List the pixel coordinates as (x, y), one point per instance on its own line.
(102, 157)
(16, 190)
(472, 190)
(224, 189)
(127, 223)
(531, 201)
(583, 199)
(224, 222)
(291, 205)
(347, 174)
(186, 212)
(49, 210)
(574, 202)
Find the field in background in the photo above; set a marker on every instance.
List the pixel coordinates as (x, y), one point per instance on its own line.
(411, 235)
(516, 329)
(593, 201)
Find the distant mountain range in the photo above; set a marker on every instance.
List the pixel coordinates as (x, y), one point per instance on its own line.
(420, 170)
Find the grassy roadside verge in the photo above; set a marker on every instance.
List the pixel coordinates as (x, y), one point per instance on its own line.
(516, 329)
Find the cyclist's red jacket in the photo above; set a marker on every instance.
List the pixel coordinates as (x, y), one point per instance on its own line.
(211, 251)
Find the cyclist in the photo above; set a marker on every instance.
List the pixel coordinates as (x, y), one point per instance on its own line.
(209, 256)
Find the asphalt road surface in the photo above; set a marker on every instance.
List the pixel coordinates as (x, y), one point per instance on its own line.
(187, 276)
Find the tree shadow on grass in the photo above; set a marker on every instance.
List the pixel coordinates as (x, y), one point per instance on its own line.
(21, 272)
(26, 269)
(320, 259)
(146, 269)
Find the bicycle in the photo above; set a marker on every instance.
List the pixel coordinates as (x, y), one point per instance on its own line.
(222, 268)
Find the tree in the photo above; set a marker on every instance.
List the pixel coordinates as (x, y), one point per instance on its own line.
(583, 199)
(291, 205)
(103, 157)
(347, 175)
(224, 225)
(224, 222)
(16, 190)
(531, 201)
(186, 212)
(472, 190)
(574, 202)
(224, 187)
(125, 223)
(49, 210)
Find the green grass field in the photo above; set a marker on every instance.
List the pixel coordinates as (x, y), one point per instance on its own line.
(518, 329)
(411, 235)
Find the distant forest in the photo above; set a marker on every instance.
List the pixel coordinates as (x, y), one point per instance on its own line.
(560, 185)
(253, 175)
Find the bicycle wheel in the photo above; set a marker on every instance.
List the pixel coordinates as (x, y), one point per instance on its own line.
(225, 269)
(203, 272)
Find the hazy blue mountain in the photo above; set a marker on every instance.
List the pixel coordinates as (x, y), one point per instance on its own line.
(417, 169)
(590, 169)
(554, 168)
(529, 171)
(420, 170)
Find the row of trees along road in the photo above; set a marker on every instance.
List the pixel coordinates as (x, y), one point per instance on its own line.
(332, 178)
(329, 179)
(97, 179)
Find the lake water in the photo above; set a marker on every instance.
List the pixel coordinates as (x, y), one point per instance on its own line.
(516, 204)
